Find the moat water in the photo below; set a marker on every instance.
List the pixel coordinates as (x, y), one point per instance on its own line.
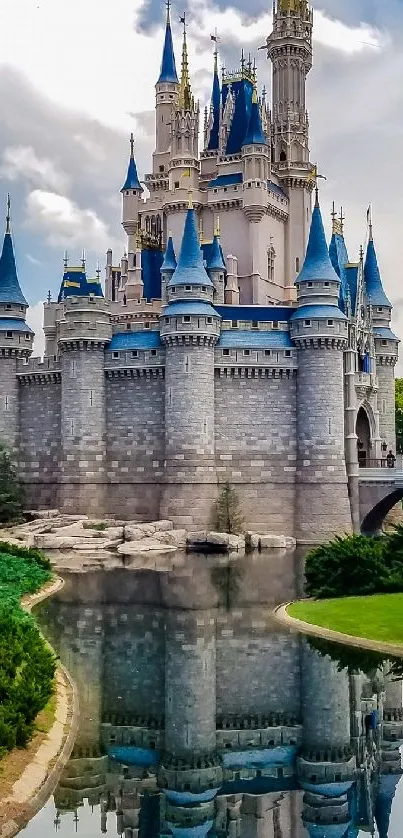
(201, 716)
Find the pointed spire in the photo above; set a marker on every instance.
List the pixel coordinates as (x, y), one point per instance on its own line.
(169, 263)
(185, 92)
(215, 105)
(372, 277)
(10, 291)
(254, 134)
(132, 178)
(168, 67)
(83, 259)
(190, 269)
(215, 260)
(317, 265)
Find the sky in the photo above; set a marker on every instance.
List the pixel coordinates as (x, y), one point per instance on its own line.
(77, 76)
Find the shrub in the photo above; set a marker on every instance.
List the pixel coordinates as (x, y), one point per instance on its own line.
(90, 525)
(227, 514)
(11, 493)
(351, 566)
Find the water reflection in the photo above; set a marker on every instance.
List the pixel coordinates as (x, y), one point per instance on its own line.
(200, 717)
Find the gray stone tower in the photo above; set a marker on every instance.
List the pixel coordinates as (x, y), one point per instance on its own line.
(15, 340)
(319, 330)
(189, 328)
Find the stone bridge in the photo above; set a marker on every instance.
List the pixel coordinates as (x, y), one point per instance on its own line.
(379, 490)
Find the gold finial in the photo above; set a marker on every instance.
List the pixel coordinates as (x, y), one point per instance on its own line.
(342, 219)
(254, 96)
(217, 227)
(185, 91)
(294, 6)
(132, 145)
(337, 227)
(190, 198)
(361, 253)
(8, 216)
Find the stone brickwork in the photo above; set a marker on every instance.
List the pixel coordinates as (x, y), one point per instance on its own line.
(325, 701)
(40, 440)
(255, 443)
(9, 406)
(386, 402)
(135, 407)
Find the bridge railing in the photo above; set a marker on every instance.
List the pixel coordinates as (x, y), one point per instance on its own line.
(365, 464)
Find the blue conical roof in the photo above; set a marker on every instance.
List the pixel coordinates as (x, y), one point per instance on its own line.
(317, 265)
(10, 291)
(169, 263)
(132, 178)
(372, 278)
(190, 269)
(215, 261)
(215, 111)
(168, 67)
(254, 134)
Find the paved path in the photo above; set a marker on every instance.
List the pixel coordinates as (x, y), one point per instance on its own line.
(281, 615)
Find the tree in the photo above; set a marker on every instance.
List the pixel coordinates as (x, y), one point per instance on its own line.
(399, 414)
(227, 514)
(11, 493)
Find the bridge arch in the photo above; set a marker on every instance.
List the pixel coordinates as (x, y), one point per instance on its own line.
(373, 519)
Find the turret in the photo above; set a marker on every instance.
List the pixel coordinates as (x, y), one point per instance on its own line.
(167, 92)
(319, 330)
(131, 196)
(289, 48)
(16, 338)
(189, 328)
(211, 138)
(185, 129)
(215, 267)
(386, 344)
(255, 157)
(168, 268)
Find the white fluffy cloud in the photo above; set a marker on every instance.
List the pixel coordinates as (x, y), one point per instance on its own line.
(64, 224)
(39, 171)
(35, 321)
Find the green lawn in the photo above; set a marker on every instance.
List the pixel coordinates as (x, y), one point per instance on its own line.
(373, 617)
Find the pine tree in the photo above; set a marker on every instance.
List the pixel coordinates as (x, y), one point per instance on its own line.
(11, 493)
(227, 513)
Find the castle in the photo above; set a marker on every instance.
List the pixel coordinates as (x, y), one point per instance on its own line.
(223, 349)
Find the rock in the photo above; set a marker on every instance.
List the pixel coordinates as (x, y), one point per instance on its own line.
(99, 544)
(290, 543)
(43, 513)
(53, 542)
(218, 539)
(270, 541)
(175, 537)
(197, 537)
(252, 540)
(162, 526)
(134, 532)
(148, 545)
(236, 542)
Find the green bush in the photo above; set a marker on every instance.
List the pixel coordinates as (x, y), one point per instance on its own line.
(227, 515)
(351, 566)
(11, 493)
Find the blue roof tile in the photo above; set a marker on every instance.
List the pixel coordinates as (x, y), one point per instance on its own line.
(260, 314)
(190, 269)
(76, 284)
(214, 256)
(169, 263)
(135, 340)
(385, 333)
(372, 279)
(151, 262)
(317, 264)
(168, 67)
(215, 111)
(10, 291)
(132, 178)
(11, 324)
(339, 259)
(227, 180)
(315, 311)
(254, 339)
(274, 187)
(241, 90)
(194, 307)
(254, 134)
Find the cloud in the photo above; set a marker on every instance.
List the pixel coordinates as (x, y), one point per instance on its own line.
(17, 161)
(32, 260)
(63, 223)
(35, 321)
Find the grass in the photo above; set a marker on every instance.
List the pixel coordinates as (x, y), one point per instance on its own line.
(373, 617)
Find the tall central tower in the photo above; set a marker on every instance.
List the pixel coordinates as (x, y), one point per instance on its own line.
(289, 48)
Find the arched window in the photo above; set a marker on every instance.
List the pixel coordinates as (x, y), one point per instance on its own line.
(283, 156)
(153, 225)
(297, 267)
(158, 223)
(147, 223)
(271, 255)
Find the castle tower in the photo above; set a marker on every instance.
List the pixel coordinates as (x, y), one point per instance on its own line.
(290, 49)
(319, 330)
(256, 164)
(16, 339)
(215, 267)
(131, 198)
(185, 129)
(85, 330)
(168, 268)
(189, 328)
(386, 345)
(167, 92)
(212, 117)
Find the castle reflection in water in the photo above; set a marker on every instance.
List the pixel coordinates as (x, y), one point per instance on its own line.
(201, 717)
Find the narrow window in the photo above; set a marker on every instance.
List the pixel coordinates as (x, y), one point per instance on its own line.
(380, 309)
(188, 288)
(146, 325)
(209, 320)
(73, 369)
(384, 343)
(267, 352)
(307, 322)
(275, 324)
(135, 353)
(330, 322)
(116, 355)
(246, 352)
(72, 428)
(287, 353)
(129, 327)
(297, 264)
(234, 324)
(6, 403)
(8, 307)
(153, 352)
(167, 320)
(310, 284)
(176, 184)
(161, 168)
(271, 255)
(91, 398)
(186, 319)
(9, 334)
(326, 284)
(225, 352)
(255, 324)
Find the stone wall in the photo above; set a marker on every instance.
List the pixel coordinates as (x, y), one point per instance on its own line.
(40, 441)
(255, 445)
(386, 404)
